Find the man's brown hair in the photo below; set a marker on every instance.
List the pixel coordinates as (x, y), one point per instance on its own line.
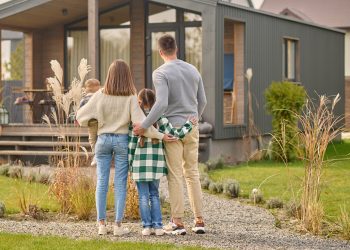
(167, 45)
(119, 81)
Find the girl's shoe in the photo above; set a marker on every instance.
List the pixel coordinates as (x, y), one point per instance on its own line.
(146, 231)
(120, 230)
(102, 229)
(159, 231)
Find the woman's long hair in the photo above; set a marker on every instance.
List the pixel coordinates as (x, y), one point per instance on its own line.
(119, 81)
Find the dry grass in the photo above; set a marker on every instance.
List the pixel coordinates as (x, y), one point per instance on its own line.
(132, 201)
(319, 126)
(344, 222)
(82, 197)
(67, 181)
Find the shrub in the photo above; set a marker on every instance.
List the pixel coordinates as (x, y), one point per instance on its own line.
(16, 172)
(212, 165)
(82, 197)
(231, 188)
(293, 209)
(205, 182)
(219, 187)
(43, 178)
(256, 196)
(212, 187)
(4, 170)
(274, 203)
(2, 209)
(31, 177)
(344, 223)
(61, 185)
(283, 101)
(35, 212)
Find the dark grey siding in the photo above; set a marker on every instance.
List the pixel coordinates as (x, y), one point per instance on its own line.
(321, 59)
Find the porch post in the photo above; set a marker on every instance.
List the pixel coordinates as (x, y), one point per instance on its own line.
(28, 72)
(137, 43)
(93, 36)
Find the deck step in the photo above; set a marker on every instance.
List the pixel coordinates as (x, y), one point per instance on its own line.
(43, 144)
(41, 153)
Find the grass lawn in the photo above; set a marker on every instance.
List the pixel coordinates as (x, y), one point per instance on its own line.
(28, 242)
(283, 182)
(36, 193)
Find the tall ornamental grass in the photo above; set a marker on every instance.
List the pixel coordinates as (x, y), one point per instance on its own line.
(318, 127)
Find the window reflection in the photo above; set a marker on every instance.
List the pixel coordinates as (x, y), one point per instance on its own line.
(193, 43)
(190, 17)
(77, 48)
(114, 44)
(161, 14)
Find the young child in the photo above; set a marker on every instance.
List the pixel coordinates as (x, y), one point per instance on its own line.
(148, 165)
(91, 86)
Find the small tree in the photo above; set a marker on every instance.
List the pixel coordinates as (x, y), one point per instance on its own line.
(16, 64)
(283, 101)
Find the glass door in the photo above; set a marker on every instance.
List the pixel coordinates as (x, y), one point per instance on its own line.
(153, 58)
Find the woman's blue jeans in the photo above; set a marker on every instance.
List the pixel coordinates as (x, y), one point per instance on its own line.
(107, 146)
(149, 203)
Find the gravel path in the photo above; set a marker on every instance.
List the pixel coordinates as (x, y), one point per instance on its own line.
(230, 225)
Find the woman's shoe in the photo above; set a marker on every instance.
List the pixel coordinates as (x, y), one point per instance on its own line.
(102, 229)
(159, 231)
(120, 230)
(146, 231)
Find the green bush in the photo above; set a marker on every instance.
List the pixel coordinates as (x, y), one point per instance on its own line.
(2, 209)
(274, 203)
(4, 170)
(231, 188)
(283, 101)
(16, 172)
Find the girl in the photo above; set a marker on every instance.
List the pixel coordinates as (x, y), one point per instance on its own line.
(114, 107)
(147, 164)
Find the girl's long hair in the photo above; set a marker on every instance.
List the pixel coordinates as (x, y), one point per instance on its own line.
(119, 81)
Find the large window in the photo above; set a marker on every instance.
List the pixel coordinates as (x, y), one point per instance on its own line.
(290, 60)
(233, 73)
(114, 41)
(185, 26)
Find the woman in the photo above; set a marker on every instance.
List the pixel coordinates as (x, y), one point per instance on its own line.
(114, 107)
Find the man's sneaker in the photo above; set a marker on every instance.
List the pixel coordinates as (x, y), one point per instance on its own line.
(159, 231)
(102, 229)
(179, 230)
(120, 230)
(174, 229)
(169, 227)
(199, 227)
(146, 231)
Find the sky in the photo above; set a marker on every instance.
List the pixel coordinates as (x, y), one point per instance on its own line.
(257, 3)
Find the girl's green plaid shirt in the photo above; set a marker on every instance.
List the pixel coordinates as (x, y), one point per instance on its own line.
(148, 163)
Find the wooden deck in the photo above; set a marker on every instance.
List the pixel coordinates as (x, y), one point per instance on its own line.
(36, 143)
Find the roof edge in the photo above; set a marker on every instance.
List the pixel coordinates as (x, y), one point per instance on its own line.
(16, 6)
(280, 16)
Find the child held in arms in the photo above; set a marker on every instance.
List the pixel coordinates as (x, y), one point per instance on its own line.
(148, 165)
(91, 87)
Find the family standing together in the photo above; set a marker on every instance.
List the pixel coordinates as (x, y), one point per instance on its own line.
(151, 134)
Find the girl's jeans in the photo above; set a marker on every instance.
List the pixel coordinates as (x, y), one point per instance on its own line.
(107, 146)
(149, 203)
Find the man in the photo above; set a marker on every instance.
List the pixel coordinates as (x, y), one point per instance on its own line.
(179, 95)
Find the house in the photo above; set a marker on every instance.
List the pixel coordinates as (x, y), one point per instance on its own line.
(333, 14)
(222, 39)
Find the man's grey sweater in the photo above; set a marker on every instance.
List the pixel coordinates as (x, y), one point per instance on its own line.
(179, 93)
